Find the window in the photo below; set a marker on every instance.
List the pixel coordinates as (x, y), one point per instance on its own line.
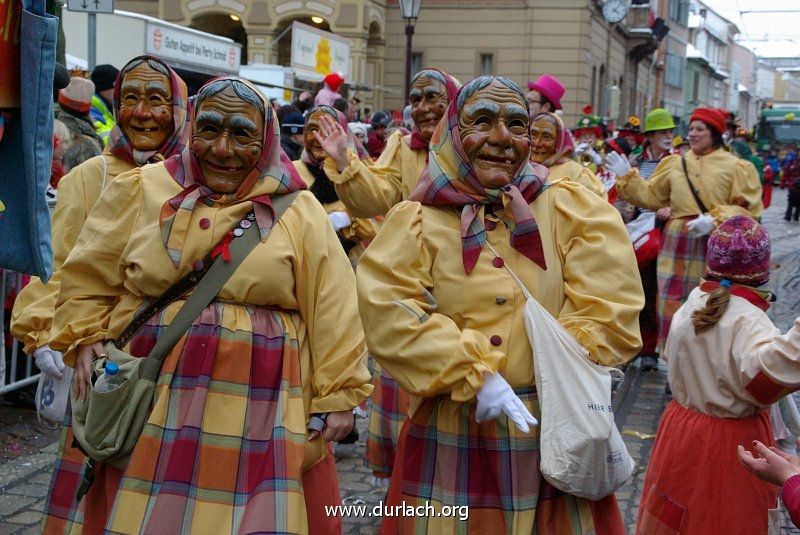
(673, 73)
(486, 64)
(416, 63)
(679, 11)
(695, 86)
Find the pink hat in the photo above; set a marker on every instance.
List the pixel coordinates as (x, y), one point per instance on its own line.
(739, 251)
(550, 88)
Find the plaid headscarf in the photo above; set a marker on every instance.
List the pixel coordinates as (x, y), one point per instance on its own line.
(273, 173)
(565, 143)
(119, 145)
(353, 142)
(451, 86)
(449, 180)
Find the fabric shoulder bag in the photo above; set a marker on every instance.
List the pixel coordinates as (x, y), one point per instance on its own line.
(581, 450)
(107, 425)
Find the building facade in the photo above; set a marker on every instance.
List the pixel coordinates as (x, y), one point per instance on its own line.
(612, 66)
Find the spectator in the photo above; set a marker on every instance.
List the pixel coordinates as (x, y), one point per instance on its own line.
(340, 104)
(103, 77)
(376, 140)
(292, 134)
(283, 110)
(330, 89)
(74, 103)
(793, 208)
(81, 149)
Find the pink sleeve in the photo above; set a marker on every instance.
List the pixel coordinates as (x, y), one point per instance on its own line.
(790, 494)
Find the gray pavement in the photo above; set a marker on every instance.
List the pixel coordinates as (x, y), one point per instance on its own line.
(641, 399)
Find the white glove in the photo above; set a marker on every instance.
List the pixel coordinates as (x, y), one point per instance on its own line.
(496, 396)
(339, 220)
(596, 158)
(581, 148)
(700, 226)
(49, 361)
(618, 164)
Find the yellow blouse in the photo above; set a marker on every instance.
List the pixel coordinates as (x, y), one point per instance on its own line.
(372, 191)
(436, 329)
(575, 172)
(727, 185)
(78, 190)
(120, 260)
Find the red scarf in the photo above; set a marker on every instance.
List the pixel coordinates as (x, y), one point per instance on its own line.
(756, 297)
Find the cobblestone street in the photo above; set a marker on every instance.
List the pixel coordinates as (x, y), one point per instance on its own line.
(28, 449)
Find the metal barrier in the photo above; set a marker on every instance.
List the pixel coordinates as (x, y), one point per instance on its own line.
(31, 373)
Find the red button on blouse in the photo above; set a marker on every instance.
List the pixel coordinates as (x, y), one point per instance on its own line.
(498, 262)
(495, 340)
(205, 223)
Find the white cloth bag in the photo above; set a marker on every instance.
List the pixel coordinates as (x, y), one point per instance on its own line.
(52, 395)
(582, 451)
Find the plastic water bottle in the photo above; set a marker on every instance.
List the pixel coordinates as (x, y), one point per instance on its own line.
(110, 380)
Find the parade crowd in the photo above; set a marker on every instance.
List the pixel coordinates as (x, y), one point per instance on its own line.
(275, 270)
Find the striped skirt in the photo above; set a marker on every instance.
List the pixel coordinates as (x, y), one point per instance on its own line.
(389, 411)
(681, 265)
(466, 477)
(224, 449)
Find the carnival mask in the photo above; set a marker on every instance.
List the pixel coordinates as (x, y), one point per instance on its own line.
(312, 146)
(493, 127)
(228, 140)
(428, 98)
(544, 138)
(145, 108)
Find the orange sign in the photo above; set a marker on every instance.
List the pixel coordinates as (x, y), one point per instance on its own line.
(10, 16)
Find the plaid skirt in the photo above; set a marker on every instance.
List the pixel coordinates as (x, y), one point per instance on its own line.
(389, 411)
(681, 265)
(223, 450)
(469, 477)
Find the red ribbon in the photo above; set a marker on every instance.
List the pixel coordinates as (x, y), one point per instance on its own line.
(753, 296)
(223, 247)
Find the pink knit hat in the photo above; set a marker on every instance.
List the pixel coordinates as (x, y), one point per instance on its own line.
(739, 251)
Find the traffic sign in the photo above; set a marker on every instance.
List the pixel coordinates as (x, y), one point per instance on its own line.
(91, 6)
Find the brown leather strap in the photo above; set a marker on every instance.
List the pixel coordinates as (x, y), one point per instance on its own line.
(694, 191)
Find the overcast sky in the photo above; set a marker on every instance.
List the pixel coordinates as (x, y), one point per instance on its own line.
(768, 34)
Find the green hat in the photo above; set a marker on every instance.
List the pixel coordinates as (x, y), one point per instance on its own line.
(658, 119)
(588, 121)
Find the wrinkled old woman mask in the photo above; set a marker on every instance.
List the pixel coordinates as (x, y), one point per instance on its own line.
(145, 108)
(493, 127)
(544, 138)
(228, 139)
(428, 98)
(312, 146)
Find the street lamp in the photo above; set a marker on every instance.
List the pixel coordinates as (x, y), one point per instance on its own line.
(409, 9)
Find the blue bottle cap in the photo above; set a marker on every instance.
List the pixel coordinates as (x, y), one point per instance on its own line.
(112, 368)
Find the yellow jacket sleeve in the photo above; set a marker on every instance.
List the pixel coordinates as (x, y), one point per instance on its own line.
(745, 195)
(653, 193)
(325, 288)
(368, 191)
(424, 351)
(32, 315)
(589, 180)
(92, 278)
(603, 298)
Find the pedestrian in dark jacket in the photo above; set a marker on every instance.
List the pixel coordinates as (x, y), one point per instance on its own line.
(793, 206)
(292, 128)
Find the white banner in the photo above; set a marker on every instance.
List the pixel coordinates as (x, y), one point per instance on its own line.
(192, 49)
(315, 53)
